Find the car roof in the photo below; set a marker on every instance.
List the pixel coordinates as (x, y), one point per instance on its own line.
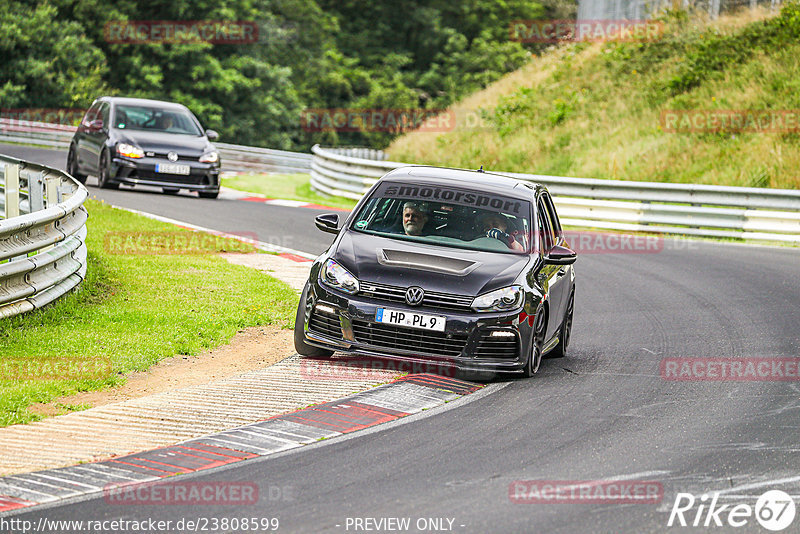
(480, 180)
(140, 102)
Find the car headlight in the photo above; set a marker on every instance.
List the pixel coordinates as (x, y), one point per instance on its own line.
(209, 157)
(337, 276)
(130, 151)
(506, 298)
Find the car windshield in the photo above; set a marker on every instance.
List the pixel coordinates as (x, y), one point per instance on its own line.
(447, 216)
(154, 119)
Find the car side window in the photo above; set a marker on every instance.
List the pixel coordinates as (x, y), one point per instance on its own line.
(105, 114)
(552, 217)
(544, 227)
(90, 115)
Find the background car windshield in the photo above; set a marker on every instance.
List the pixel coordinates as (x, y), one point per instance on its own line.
(153, 119)
(447, 216)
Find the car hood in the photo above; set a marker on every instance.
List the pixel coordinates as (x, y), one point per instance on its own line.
(401, 263)
(185, 145)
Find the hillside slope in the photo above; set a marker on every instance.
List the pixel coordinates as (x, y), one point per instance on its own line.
(595, 110)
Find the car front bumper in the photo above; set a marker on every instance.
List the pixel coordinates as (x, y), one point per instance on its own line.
(346, 323)
(201, 177)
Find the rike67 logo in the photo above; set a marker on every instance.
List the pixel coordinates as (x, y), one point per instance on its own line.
(774, 510)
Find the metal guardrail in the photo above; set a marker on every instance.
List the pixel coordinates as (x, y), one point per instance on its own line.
(683, 209)
(42, 235)
(235, 158)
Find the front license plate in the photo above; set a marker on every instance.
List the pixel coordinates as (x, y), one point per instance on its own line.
(410, 319)
(172, 168)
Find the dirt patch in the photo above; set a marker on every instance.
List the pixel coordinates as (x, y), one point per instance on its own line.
(251, 348)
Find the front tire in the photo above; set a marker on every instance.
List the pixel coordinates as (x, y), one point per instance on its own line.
(208, 194)
(300, 345)
(72, 166)
(565, 333)
(104, 173)
(535, 356)
(170, 190)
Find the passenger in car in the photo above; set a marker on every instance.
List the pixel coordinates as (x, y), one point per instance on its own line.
(495, 225)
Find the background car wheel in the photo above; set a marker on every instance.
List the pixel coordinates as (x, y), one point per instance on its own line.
(564, 334)
(208, 194)
(170, 190)
(72, 167)
(104, 173)
(535, 357)
(300, 345)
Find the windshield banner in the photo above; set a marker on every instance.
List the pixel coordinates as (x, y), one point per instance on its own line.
(452, 196)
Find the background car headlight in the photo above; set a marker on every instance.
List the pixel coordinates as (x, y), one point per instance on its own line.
(337, 276)
(209, 157)
(130, 151)
(507, 298)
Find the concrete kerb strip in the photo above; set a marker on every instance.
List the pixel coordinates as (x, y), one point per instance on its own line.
(171, 416)
(118, 478)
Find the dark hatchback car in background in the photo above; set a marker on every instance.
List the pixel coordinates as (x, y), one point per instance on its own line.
(463, 269)
(137, 141)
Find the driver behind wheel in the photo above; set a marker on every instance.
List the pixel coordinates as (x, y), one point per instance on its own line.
(495, 225)
(415, 217)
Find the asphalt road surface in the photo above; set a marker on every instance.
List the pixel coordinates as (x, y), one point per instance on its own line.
(603, 413)
(279, 225)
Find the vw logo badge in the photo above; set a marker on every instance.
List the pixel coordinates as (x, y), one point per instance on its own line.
(414, 295)
(172, 156)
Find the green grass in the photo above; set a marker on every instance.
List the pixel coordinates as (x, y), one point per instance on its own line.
(133, 310)
(285, 186)
(594, 110)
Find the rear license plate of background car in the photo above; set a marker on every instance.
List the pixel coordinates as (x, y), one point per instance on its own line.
(410, 319)
(172, 168)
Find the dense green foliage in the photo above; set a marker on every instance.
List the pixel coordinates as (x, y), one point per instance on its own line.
(310, 54)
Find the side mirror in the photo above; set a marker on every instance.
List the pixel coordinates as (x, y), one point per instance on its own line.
(560, 255)
(328, 222)
(96, 125)
(212, 135)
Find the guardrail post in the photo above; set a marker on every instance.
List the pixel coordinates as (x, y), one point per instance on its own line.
(12, 190)
(35, 192)
(51, 190)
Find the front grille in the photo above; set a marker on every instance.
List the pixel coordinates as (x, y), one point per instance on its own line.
(326, 324)
(392, 337)
(171, 178)
(432, 299)
(497, 348)
(181, 157)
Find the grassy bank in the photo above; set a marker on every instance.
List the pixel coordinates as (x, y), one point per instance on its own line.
(133, 310)
(594, 110)
(285, 186)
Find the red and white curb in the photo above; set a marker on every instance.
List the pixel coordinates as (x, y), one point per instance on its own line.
(290, 203)
(405, 396)
(234, 194)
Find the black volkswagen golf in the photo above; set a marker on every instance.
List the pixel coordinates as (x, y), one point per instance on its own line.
(463, 269)
(144, 142)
